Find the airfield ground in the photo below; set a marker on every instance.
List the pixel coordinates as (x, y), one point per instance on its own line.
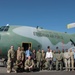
(43, 72)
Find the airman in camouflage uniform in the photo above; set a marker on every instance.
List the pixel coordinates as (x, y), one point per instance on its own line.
(18, 65)
(23, 54)
(72, 59)
(54, 59)
(38, 58)
(67, 60)
(29, 64)
(34, 56)
(43, 59)
(11, 59)
(59, 60)
(63, 58)
(18, 53)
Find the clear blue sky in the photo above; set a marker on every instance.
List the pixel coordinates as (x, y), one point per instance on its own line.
(49, 14)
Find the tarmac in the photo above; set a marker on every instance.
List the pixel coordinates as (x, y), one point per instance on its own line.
(3, 71)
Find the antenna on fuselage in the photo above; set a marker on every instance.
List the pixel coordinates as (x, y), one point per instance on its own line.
(39, 27)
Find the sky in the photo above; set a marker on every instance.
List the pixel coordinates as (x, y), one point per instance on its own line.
(49, 14)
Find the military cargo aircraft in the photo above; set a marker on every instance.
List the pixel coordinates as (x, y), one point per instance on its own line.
(36, 38)
(26, 36)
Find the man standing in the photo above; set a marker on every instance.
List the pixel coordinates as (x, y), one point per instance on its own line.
(54, 59)
(59, 60)
(38, 58)
(63, 57)
(43, 59)
(49, 58)
(72, 59)
(28, 52)
(23, 55)
(11, 59)
(18, 53)
(67, 60)
(34, 55)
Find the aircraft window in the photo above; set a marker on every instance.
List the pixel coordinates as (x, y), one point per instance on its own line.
(4, 28)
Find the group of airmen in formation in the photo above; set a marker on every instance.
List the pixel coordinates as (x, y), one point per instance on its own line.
(31, 60)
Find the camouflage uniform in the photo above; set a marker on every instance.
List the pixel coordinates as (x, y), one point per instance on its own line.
(11, 60)
(63, 61)
(38, 58)
(18, 54)
(18, 66)
(59, 61)
(54, 60)
(23, 55)
(29, 64)
(67, 60)
(43, 60)
(72, 60)
(34, 58)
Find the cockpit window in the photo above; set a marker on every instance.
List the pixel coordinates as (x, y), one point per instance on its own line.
(4, 28)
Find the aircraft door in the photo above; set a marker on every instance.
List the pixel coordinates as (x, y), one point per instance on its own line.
(26, 45)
